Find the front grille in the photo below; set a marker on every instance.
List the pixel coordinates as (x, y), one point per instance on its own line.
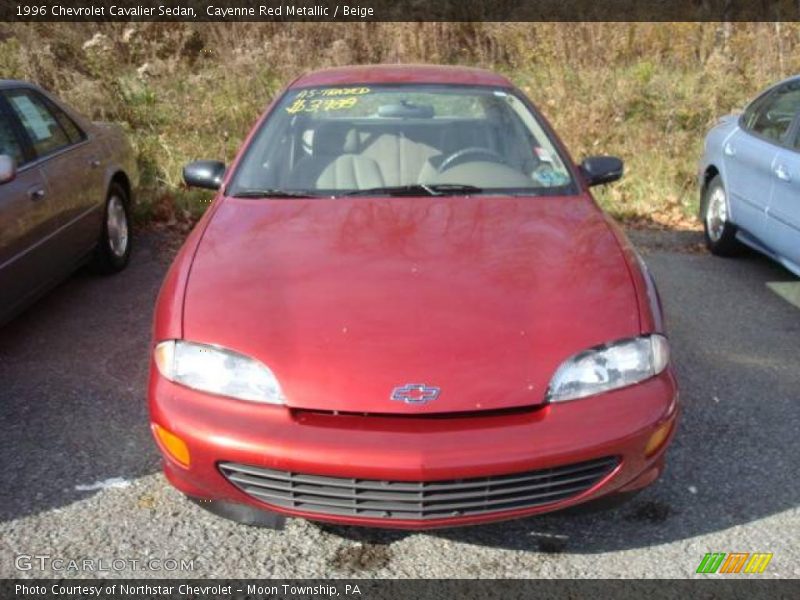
(416, 499)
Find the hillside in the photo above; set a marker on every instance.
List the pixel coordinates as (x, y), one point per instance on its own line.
(645, 92)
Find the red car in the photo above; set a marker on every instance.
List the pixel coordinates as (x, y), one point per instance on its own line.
(404, 309)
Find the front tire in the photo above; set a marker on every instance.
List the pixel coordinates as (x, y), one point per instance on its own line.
(720, 233)
(114, 246)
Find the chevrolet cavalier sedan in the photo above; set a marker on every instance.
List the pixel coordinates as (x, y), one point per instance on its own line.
(405, 309)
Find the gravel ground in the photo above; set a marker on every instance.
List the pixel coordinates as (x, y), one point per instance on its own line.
(72, 387)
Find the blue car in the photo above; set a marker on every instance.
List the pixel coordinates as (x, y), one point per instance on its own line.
(750, 178)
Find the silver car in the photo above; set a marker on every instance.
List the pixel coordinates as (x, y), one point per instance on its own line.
(750, 178)
(66, 187)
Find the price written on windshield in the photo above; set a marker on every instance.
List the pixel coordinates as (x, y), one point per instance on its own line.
(320, 104)
(326, 99)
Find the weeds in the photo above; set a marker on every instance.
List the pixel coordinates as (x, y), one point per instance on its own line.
(645, 92)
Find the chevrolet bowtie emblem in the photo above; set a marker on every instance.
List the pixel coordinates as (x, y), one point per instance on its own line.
(415, 393)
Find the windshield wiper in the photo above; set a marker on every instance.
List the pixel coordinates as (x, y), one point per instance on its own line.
(417, 189)
(273, 193)
(394, 190)
(454, 188)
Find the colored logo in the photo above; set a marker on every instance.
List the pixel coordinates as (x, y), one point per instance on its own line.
(415, 393)
(735, 562)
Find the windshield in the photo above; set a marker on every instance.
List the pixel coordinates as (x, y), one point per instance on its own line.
(401, 139)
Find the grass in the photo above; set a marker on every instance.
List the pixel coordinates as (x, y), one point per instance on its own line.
(645, 92)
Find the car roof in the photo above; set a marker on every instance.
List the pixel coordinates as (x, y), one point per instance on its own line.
(15, 83)
(791, 79)
(377, 74)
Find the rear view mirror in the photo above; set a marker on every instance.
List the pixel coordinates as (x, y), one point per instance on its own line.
(206, 174)
(601, 169)
(406, 110)
(8, 168)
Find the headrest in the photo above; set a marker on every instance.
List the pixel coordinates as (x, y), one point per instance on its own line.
(332, 138)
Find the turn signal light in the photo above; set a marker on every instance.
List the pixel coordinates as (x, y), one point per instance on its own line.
(173, 445)
(658, 438)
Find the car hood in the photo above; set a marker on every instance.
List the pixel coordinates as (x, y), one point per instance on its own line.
(348, 299)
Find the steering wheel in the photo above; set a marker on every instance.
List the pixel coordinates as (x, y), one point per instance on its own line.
(473, 151)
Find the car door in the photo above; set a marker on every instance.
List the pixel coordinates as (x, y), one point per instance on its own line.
(24, 220)
(783, 212)
(71, 169)
(749, 156)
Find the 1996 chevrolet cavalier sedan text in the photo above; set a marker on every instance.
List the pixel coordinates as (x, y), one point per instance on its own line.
(404, 309)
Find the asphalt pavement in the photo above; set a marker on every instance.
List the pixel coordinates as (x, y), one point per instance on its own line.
(80, 474)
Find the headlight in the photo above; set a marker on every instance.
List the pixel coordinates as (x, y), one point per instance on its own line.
(218, 371)
(609, 367)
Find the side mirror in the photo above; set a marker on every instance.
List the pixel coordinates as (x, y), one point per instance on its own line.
(8, 168)
(601, 169)
(206, 174)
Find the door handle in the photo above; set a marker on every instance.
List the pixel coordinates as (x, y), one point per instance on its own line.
(729, 150)
(782, 174)
(36, 193)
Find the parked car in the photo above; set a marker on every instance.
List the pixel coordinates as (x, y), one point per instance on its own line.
(66, 186)
(404, 309)
(750, 178)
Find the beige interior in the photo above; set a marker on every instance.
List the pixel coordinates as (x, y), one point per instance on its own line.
(344, 156)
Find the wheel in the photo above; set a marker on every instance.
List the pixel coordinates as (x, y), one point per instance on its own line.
(114, 246)
(720, 233)
(460, 156)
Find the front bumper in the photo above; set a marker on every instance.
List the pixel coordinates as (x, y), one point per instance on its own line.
(407, 449)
